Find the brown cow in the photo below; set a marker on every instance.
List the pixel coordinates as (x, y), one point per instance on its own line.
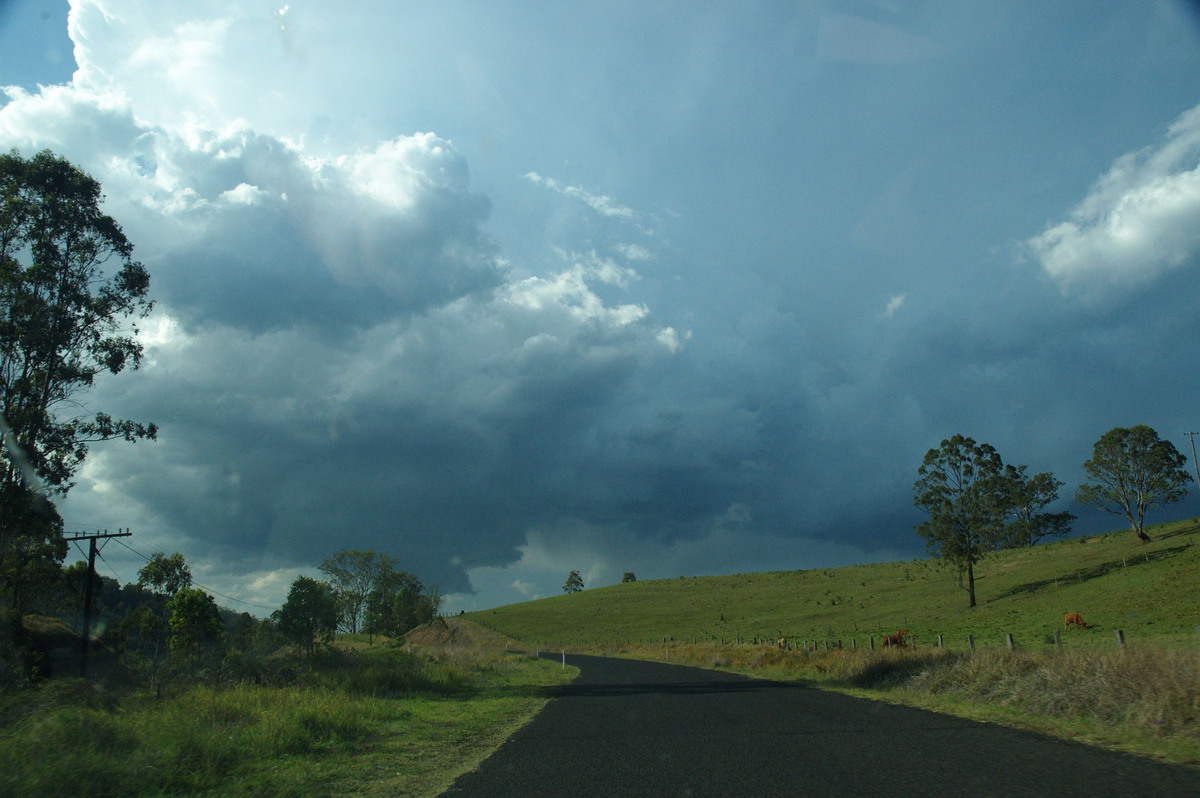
(896, 639)
(1073, 618)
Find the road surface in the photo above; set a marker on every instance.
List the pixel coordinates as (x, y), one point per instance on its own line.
(630, 728)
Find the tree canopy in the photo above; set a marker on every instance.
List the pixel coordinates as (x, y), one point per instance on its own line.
(1132, 471)
(165, 575)
(354, 574)
(1027, 497)
(574, 583)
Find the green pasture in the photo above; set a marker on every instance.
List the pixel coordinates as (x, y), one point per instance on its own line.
(1147, 591)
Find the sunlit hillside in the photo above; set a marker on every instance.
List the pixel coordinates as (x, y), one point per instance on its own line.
(1146, 591)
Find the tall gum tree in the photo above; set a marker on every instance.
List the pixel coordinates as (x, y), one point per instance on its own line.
(1132, 471)
(70, 293)
(961, 484)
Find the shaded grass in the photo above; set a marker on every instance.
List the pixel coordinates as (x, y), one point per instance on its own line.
(375, 722)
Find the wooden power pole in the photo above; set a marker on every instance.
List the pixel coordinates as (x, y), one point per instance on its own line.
(87, 593)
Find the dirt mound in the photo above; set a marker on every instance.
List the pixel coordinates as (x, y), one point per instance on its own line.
(435, 633)
(454, 632)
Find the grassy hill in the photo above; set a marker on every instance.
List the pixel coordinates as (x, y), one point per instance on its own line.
(1148, 591)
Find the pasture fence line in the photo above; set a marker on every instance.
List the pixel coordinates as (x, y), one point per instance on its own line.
(1009, 640)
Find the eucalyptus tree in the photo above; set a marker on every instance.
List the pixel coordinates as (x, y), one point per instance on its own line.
(70, 293)
(354, 574)
(1027, 499)
(962, 485)
(574, 583)
(1133, 471)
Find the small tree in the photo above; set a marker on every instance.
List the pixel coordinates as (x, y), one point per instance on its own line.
(309, 617)
(574, 583)
(1027, 499)
(628, 577)
(196, 625)
(962, 487)
(1133, 471)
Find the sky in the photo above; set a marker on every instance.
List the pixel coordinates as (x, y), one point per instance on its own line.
(509, 289)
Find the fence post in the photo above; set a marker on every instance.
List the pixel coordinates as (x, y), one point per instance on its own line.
(871, 642)
(939, 641)
(971, 642)
(1120, 637)
(1058, 639)
(1012, 644)
(854, 644)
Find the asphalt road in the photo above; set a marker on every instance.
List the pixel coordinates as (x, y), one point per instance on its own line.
(628, 728)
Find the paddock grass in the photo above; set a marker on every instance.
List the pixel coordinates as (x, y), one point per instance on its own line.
(1150, 592)
(380, 721)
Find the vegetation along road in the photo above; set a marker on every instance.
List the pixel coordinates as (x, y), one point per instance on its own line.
(627, 727)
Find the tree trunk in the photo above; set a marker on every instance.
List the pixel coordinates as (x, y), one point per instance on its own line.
(970, 583)
(1142, 536)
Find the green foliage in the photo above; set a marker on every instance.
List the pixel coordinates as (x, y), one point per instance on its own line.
(196, 625)
(574, 583)
(1026, 499)
(628, 576)
(309, 617)
(1133, 471)
(165, 575)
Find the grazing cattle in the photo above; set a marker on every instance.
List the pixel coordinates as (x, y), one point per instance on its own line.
(782, 643)
(896, 639)
(1073, 618)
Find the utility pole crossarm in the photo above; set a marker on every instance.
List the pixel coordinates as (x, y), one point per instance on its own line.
(87, 591)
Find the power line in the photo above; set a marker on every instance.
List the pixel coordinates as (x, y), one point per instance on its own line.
(203, 587)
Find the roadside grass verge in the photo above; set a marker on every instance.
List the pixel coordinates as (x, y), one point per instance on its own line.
(1143, 700)
(382, 721)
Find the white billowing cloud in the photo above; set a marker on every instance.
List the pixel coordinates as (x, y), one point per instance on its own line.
(1140, 220)
(894, 304)
(246, 228)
